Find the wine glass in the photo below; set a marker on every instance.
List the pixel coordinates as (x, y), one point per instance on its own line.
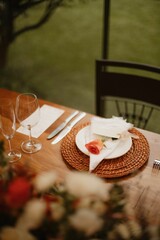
(8, 126)
(28, 115)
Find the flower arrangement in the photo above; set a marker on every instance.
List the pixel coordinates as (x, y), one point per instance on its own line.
(82, 207)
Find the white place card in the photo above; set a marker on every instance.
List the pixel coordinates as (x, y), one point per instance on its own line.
(48, 115)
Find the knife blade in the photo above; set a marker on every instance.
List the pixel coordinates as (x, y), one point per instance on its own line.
(67, 129)
(62, 125)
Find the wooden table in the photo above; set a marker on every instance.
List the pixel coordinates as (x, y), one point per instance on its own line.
(144, 187)
(49, 157)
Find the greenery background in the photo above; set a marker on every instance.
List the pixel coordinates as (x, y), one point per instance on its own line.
(57, 61)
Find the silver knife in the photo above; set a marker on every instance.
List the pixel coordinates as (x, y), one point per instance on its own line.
(68, 128)
(62, 125)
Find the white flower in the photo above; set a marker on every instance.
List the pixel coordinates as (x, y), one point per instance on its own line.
(135, 228)
(99, 207)
(129, 210)
(86, 221)
(10, 233)
(44, 181)
(84, 202)
(33, 214)
(84, 184)
(123, 230)
(57, 211)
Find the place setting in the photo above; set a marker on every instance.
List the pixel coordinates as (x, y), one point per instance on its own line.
(107, 147)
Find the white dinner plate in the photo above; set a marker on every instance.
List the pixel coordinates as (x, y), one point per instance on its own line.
(123, 146)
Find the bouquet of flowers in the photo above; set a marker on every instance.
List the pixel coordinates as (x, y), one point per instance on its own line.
(82, 207)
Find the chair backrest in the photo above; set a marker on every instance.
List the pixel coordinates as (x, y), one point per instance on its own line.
(126, 82)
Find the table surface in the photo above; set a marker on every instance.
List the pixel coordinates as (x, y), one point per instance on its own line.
(144, 186)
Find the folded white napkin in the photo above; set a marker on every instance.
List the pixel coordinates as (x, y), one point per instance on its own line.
(114, 127)
(48, 115)
(110, 127)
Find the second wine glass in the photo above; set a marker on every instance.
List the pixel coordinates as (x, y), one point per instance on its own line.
(28, 115)
(8, 127)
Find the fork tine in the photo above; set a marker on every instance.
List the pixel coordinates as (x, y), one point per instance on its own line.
(156, 166)
(157, 161)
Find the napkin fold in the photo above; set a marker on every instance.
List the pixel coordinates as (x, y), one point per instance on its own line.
(114, 127)
(110, 127)
(48, 115)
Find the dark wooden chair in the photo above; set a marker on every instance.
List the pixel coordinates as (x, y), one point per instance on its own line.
(127, 89)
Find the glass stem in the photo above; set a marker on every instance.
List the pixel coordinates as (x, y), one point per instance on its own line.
(9, 143)
(30, 135)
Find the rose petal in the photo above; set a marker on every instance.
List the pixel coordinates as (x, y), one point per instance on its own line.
(94, 146)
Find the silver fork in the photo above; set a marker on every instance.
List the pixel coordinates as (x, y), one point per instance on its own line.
(156, 165)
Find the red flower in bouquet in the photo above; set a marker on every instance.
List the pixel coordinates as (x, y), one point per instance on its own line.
(18, 192)
(94, 146)
(1, 194)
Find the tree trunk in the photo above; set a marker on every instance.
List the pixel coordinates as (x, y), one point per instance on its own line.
(6, 30)
(3, 53)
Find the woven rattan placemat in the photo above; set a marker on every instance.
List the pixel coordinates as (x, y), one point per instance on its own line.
(134, 159)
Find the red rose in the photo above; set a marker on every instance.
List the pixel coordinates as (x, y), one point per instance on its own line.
(94, 146)
(18, 193)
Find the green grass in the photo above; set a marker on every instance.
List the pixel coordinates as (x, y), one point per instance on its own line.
(135, 30)
(57, 61)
